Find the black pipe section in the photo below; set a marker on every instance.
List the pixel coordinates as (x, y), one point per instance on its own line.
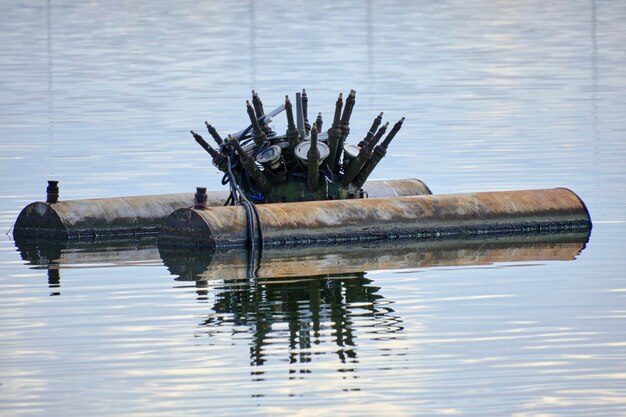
(293, 135)
(213, 132)
(52, 192)
(319, 122)
(305, 106)
(201, 198)
(370, 133)
(365, 154)
(219, 159)
(335, 134)
(258, 108)
(258, 134)
(379, 153)
(312, 157)
(300, 116)
(344, 125)
(257, 175)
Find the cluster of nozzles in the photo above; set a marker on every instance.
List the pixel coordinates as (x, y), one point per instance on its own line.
(305, 163)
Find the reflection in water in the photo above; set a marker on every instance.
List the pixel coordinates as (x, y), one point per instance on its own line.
(309, 301)
(321, 295)
(309, 312)
(56, 255)
(368, 256)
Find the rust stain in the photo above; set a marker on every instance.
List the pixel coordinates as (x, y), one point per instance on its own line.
(473, 213)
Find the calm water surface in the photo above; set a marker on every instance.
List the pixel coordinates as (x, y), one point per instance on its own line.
(497, 95)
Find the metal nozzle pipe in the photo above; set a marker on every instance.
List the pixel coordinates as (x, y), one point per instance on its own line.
(319, 122)
(365, 153)
(258, 104)
(293, 135)
(305, 107)
(219, 159)
(370, 133)
(313, 156)
(248, 163)
(213, 132)
(379, 153)
(347, 113)
(258, 134)
(300, 116)
(334, 136)
(394, 130)
(344, 125)
(203, 143)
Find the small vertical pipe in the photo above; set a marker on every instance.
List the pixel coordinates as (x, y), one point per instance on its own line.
(200, 198)
(52, 192)
(305, 107)
(313, 156)
(258, 135)
(293, 135)
(319, 122)
(345, 127)
(300, 115)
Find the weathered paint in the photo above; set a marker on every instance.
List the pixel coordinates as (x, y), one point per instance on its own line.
(428, 216)
(142, 215)
(322, 260)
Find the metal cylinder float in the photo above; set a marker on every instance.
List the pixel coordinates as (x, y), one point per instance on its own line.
(421, 217)
(120, 217)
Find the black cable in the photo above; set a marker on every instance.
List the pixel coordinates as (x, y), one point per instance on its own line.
(252, 216)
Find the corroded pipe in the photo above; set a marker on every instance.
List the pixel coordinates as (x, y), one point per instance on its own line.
(419, 217)
(379, 153)
(312, 157)
(365, 154)
(213, 132)
(219, 159)
(335, 135)
(125, 217)
(305, 111)
(370, 133)
(319, 122)
(344, 125)
(248, 162)
(258, 135)
(293, 135)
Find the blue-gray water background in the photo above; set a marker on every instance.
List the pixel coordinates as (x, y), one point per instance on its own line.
(497, 95)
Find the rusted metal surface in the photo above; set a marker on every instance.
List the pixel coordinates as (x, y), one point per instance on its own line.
(103, 217)
(142, 215)
(421, 217)
(281, 263)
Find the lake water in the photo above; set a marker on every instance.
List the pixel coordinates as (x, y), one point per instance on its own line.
(497, 95)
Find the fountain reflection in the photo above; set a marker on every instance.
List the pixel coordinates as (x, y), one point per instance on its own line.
(302, 302)
(294, 304)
